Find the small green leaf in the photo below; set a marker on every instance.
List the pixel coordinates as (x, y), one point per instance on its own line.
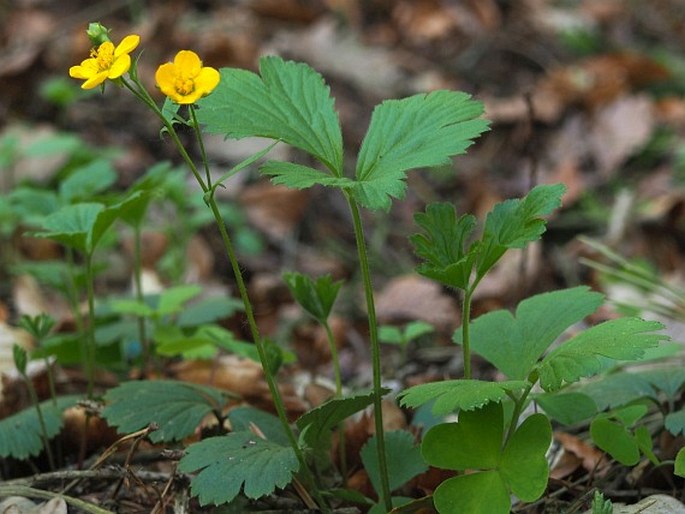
(208, 310)
(416, 329)
(238, 460)
(20, 434)
(517, 222)
(611, 432)
(567, 408)
(443, 245)
(242, 419)
(20, 358)
(680, 463)
(668, 380)
(675, 422)
(177, 407)
(453, 395)
(421, 131)
(132, 307)
(316, 425)
(173, 300)
(314, 296)
(617, 389)
(590, 351)
(513, 344)
(87, 181)
(289, 101)
(390, 335)
(403, 457)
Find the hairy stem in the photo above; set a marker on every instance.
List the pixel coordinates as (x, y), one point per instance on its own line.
(90, 337)
(338, 394)
(465, 332)
(375, 351)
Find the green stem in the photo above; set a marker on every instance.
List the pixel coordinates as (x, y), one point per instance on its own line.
(143, 95)
(516, 414)
(375, 352)
(201, 144)
(41, 421)
(263, 357)
(338, 394)
(90, 360)
(465, 331)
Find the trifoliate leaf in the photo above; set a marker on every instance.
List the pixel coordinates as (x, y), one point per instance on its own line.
(316, 296)
(403, 456)
(238, 460)
(20, 434)
(453, 395)
(475, 443)
(513, 344)
(517, 222)
(443, 245)
(287, 101)
(420, 131)
(594, 349)
(177, 407)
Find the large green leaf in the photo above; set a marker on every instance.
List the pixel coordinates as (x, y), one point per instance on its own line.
(442, 245)
(20, 434)
(475, 443)
(617, 389)
(514, 344)
(287, 101)
(238, 460)
(87, 181)
(298, 176)
(177, 407)
(567, 408)
(420, 131)
(516, 222)
(594, 349)
(453, 395)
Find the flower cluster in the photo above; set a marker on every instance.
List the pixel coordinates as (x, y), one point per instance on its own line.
(184, 81)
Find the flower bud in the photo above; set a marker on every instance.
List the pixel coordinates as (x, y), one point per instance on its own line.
(98, 33)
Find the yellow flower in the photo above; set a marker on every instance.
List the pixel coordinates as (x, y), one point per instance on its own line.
(185, 80)
(105, 62)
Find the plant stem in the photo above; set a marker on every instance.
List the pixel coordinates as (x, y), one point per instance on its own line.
(263, 357)
(465, 331)
(137, 272)
(90, 336)
(516, 414)
(375, 351)
(41, 421)
(338, 394)
(201, 144)
(142, 94)
(30, 492)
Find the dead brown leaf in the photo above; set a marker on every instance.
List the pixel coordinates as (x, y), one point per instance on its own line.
(591, 458)
(275, 210)
(411, 297)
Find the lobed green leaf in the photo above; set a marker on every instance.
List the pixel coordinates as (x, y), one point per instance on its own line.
(287, 101)
(177, 407)
(239, 460)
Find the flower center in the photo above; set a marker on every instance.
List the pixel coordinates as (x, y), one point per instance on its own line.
(103, 55)
(184, 86)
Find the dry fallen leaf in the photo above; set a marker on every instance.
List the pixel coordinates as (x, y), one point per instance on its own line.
(275, 210)
(591, 458)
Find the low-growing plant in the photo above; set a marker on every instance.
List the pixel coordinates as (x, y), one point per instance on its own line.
(496, 447)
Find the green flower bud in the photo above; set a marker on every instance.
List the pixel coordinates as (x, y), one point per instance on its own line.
(98, 33)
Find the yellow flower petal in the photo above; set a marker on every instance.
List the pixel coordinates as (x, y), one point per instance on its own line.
(119, 66)
(127, 45)
(207, 80)
(95, 80)
(188, 63)
(165, 76)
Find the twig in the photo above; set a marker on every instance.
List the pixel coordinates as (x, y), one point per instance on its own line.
(30, 492)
